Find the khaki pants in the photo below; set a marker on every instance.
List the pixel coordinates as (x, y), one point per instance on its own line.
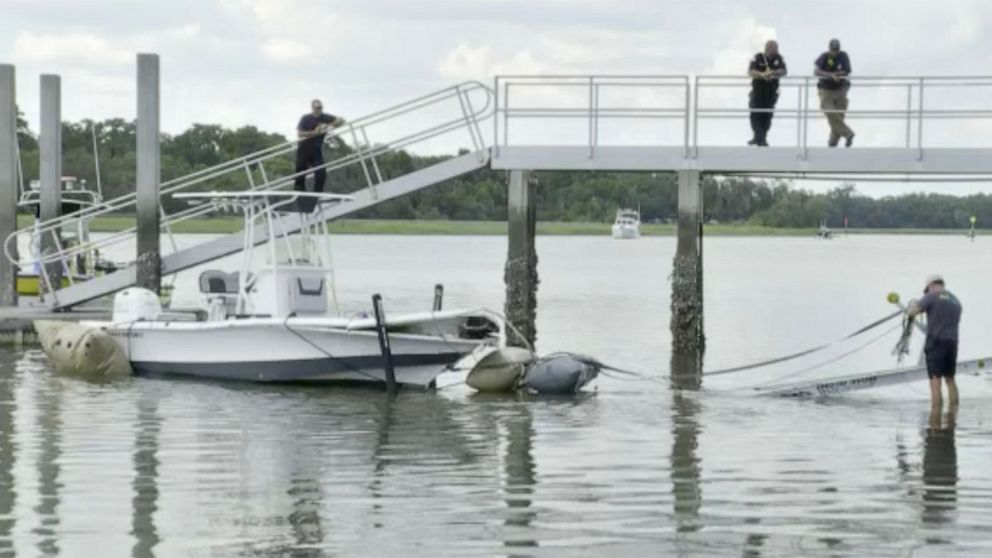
(835, 100)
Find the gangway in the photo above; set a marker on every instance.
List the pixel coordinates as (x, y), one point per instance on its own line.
(935, 127)
(463, 108)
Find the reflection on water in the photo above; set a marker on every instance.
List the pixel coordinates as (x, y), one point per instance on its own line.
(519, 472)
(172, 468)
(8, 454)
(50, 428)
(144, 502)
(940, 467)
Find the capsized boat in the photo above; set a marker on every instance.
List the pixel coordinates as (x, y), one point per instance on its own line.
(274, 323)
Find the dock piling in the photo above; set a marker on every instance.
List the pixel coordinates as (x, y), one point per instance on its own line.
(149, 261)
(688, 340)
(50, 174)
(381, 328)
(520, 274)
(8, 181)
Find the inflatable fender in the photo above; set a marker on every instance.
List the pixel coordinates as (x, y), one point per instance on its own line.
(83, 351)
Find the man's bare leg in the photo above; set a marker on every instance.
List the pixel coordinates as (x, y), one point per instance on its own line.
(952, 391)
(936, 398)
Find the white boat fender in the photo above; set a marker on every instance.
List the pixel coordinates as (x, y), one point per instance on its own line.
(500, 370)
(80, 350)
(560, 374)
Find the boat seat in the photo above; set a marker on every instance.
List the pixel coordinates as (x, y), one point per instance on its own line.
(215, 281)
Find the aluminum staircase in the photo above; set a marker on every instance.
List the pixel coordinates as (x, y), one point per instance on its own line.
(461, 108)
(232, 243)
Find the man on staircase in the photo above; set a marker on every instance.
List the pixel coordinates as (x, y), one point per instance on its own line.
(309, 151)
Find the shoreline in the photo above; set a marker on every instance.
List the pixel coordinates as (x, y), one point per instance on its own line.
(222, 225)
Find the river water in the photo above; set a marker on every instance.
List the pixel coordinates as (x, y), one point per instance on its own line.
(160, 467)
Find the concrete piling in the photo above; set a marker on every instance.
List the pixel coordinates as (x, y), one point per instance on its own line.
(8, 181)
(688, 341)
(50, 174)
(520, 274)
(149, 261)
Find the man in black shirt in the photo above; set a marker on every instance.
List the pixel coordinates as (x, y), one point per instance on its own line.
(765, 70)
(943, 311)
(309, 151)
(833, 68)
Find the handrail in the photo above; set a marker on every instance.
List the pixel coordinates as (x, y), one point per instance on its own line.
(914, 87)
(468, 116)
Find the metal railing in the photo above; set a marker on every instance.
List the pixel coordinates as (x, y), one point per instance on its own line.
(797, 102)
(586, 92)
(468, 114)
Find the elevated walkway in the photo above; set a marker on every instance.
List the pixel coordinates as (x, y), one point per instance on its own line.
(595, 123)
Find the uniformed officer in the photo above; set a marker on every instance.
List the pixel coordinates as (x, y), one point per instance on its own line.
(765, 70)
(833, 68)
(309, 151)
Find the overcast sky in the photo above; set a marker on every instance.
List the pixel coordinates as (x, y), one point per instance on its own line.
(259, 62)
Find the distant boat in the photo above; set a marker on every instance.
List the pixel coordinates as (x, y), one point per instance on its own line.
(627, 224)
(824, 231)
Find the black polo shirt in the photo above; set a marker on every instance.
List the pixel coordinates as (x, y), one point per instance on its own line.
(761, 63)
(827, 62)
(308, 123)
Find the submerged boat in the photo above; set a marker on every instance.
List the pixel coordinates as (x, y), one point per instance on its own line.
(627, 224)
(275, 323)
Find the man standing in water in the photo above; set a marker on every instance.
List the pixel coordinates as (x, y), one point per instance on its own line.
(309, 150)
(943, 316)
(765, 70)
(833, 68)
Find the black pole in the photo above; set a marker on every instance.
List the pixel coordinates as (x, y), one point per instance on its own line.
(438, 296)
(387, 353)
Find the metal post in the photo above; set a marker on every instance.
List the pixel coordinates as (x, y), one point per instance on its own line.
(592, 112)
(9, 165)
(806, 118)
(687, 306)
(149, 261)
(695, 119)
(919, 125)
(909, 113)
(438, 297)
(384, 347)
(520, 274)
(685, 124)
(50, 174)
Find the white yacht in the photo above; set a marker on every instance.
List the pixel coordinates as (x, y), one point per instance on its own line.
(278, 322)
(627, 224)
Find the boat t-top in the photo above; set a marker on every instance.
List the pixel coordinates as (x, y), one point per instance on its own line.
(279, 321)
(627, 224)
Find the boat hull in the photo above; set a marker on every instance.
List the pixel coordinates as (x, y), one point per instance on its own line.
(626, 232)
(260, 350)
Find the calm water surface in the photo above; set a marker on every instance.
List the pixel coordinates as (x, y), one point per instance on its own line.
(176, 468)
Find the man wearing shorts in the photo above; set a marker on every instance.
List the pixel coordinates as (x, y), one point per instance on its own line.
(943, 316)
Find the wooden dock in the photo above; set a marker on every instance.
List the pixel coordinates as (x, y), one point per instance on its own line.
(17, 323)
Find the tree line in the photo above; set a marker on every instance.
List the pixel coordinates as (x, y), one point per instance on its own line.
(481, 195)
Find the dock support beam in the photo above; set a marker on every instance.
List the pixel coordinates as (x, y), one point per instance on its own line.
(688, 341)
(8, 182)
(520, 274)
(149, 257)
(50, 173)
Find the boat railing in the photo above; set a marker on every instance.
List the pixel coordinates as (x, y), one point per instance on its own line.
(462, 107)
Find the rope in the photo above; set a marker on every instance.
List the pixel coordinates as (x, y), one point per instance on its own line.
(285, 324)
(805, 352)
(829, 361)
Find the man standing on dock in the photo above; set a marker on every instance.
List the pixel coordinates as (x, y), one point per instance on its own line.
(833, 68)
(309, 151)
(765, 70)
(943, 316)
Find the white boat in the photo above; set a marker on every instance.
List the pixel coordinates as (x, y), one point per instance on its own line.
(273, 324)
(627, 224)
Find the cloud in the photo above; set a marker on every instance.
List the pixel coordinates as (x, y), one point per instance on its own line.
(68, 47)
(282, 50)
(466, 62)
